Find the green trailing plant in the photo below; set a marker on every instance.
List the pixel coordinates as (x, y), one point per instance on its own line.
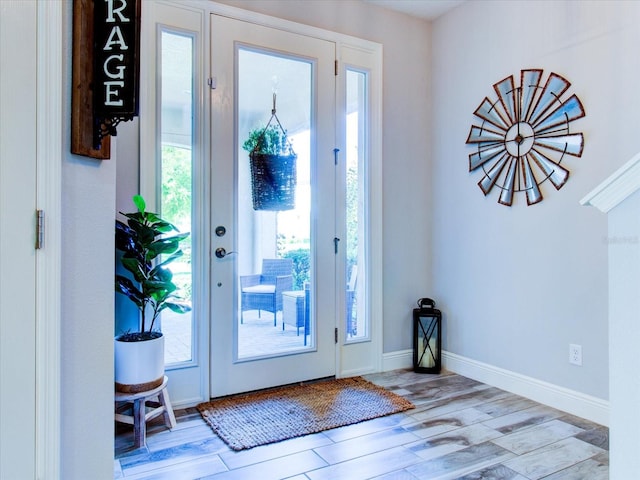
(301, 266)
(143, 240)
(271, 140)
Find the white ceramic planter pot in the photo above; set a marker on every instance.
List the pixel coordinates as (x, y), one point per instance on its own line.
(139, 366)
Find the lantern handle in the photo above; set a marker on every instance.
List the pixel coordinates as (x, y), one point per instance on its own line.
(426, 302)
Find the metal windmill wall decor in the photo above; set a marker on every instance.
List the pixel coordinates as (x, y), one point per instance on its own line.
(525, 135)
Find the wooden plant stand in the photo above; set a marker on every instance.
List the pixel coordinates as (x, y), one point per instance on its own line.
(145, 406)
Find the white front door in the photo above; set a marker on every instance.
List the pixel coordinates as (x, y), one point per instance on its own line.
(272, 218)
(17, 239)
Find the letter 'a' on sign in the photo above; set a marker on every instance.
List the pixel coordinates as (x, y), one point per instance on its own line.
(115, 64)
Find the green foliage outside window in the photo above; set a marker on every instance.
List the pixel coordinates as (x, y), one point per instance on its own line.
(301, 256)
(176, 184)
(352, 218)
(176, 206)
(301, 265)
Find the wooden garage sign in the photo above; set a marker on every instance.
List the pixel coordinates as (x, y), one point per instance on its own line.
(106, 42)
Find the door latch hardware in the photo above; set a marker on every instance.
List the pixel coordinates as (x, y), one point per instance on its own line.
(221, 252)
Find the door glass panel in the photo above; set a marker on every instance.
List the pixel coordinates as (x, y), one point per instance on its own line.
(275, 314)
(176, 158)
(357, 327)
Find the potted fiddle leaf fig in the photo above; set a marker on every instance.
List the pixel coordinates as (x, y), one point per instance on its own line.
(147, 245)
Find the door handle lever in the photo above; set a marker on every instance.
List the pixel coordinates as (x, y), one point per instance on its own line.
(221, 252)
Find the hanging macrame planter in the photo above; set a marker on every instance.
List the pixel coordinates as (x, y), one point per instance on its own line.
(273, 166)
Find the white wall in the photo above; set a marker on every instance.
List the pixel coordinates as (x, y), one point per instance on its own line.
(518, 284)
(624, 278)
(88, 203)
(406, 142)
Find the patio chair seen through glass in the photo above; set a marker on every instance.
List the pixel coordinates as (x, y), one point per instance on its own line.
(263, 291)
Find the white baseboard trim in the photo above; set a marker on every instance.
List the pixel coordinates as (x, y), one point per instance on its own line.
(356, 372)
(570, 401)
(397, 360)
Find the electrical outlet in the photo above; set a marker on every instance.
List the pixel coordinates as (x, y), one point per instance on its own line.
(575, 354)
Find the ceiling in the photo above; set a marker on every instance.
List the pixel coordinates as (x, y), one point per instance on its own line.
(426, 9)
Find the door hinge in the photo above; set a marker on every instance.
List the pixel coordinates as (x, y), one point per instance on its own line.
(336, 335)
(336, 68)
(39, 229)
(212, 82)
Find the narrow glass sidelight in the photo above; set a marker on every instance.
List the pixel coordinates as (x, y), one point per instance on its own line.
(357, 323)
(176, 76)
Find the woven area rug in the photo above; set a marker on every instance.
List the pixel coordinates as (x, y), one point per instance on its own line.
(248, 420)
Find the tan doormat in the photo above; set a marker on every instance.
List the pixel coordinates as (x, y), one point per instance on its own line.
(248, 420)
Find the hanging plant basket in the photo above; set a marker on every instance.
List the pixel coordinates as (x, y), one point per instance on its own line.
(273, 181)
(273, 166)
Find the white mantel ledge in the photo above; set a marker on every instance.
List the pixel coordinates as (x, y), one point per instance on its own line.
(622, 183)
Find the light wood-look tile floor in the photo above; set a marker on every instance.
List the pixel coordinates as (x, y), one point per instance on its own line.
(460, 429)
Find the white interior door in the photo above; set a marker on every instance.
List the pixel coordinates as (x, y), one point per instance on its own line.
(266, 332)
(17, 237)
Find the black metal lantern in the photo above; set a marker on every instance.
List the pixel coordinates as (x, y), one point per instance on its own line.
(427, 337)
